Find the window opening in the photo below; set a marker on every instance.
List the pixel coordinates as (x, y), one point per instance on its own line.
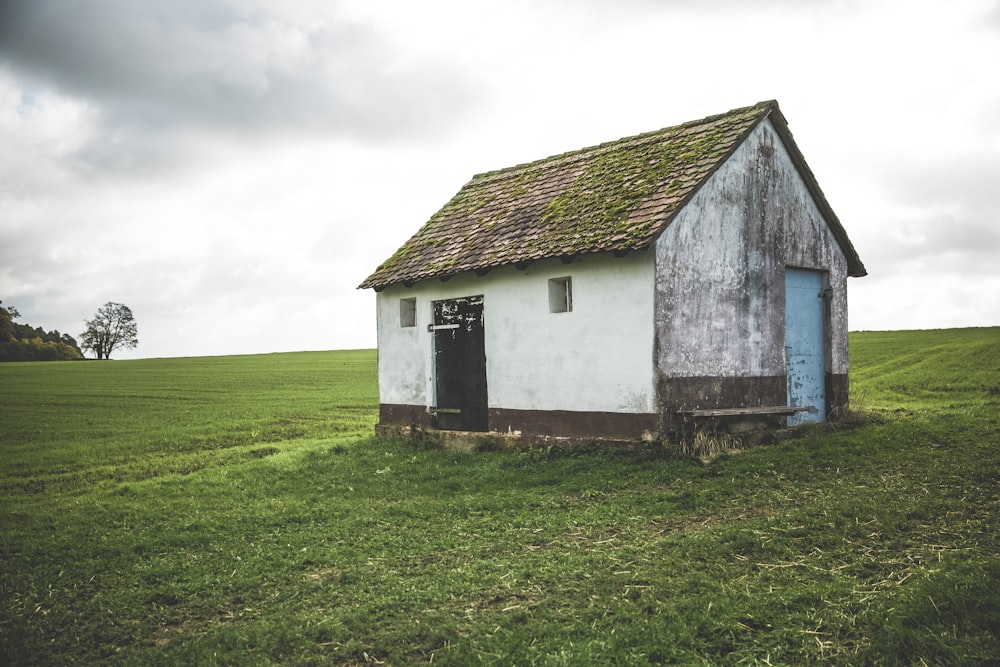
(408, 312)
(561, 295)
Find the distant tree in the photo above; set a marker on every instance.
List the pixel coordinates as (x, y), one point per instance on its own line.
(113, 328)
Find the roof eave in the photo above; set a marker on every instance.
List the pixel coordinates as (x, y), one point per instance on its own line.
(855, 267)
(374, 282)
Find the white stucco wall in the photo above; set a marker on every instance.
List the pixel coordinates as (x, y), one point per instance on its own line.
(720, 267)
(599, 357)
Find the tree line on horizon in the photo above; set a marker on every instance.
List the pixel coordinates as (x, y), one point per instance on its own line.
(23, 342)
(112, 328)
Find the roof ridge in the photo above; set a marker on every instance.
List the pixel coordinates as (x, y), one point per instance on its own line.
(635, 140)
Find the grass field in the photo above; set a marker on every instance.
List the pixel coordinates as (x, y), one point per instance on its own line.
(236, 511)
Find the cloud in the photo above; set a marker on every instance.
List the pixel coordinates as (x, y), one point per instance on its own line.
(945, 212)
(232, 169)
(931, 244)
(154, 70)
(716, 5)
(967, 182)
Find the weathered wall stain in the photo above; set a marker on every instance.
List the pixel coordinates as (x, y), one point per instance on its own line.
(720, 282)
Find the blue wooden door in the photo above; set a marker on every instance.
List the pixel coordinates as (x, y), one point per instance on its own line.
(805, 353)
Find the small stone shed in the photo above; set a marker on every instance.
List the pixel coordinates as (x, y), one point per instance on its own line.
(623, 291)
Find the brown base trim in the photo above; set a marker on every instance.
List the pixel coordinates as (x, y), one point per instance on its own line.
(838, 395)
(574, 424)
(404, 415)
(534, 423)
(704, 393)
(710, 392)
(688, 394)
(675, 394)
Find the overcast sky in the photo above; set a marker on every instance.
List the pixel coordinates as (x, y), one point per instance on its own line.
(233, 170)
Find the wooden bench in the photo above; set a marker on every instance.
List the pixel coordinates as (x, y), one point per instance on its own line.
(736, 412)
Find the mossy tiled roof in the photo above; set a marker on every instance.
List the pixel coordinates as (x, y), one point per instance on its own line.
(615, 197)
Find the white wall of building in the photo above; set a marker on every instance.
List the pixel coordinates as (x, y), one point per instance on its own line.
(598, 357)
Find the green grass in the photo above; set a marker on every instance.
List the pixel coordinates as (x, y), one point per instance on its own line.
(235, 511)
(941, 369)
(66, 424)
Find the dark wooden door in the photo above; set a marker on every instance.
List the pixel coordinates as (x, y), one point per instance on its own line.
(460, 364)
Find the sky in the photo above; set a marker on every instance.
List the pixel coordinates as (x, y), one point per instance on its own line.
(232, 170)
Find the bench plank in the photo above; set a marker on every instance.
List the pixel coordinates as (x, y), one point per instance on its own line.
(765, 410)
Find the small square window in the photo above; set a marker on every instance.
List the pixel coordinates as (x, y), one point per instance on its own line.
(561, 295)
(408, 312)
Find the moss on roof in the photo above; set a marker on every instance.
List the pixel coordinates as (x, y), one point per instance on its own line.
(618, 196)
